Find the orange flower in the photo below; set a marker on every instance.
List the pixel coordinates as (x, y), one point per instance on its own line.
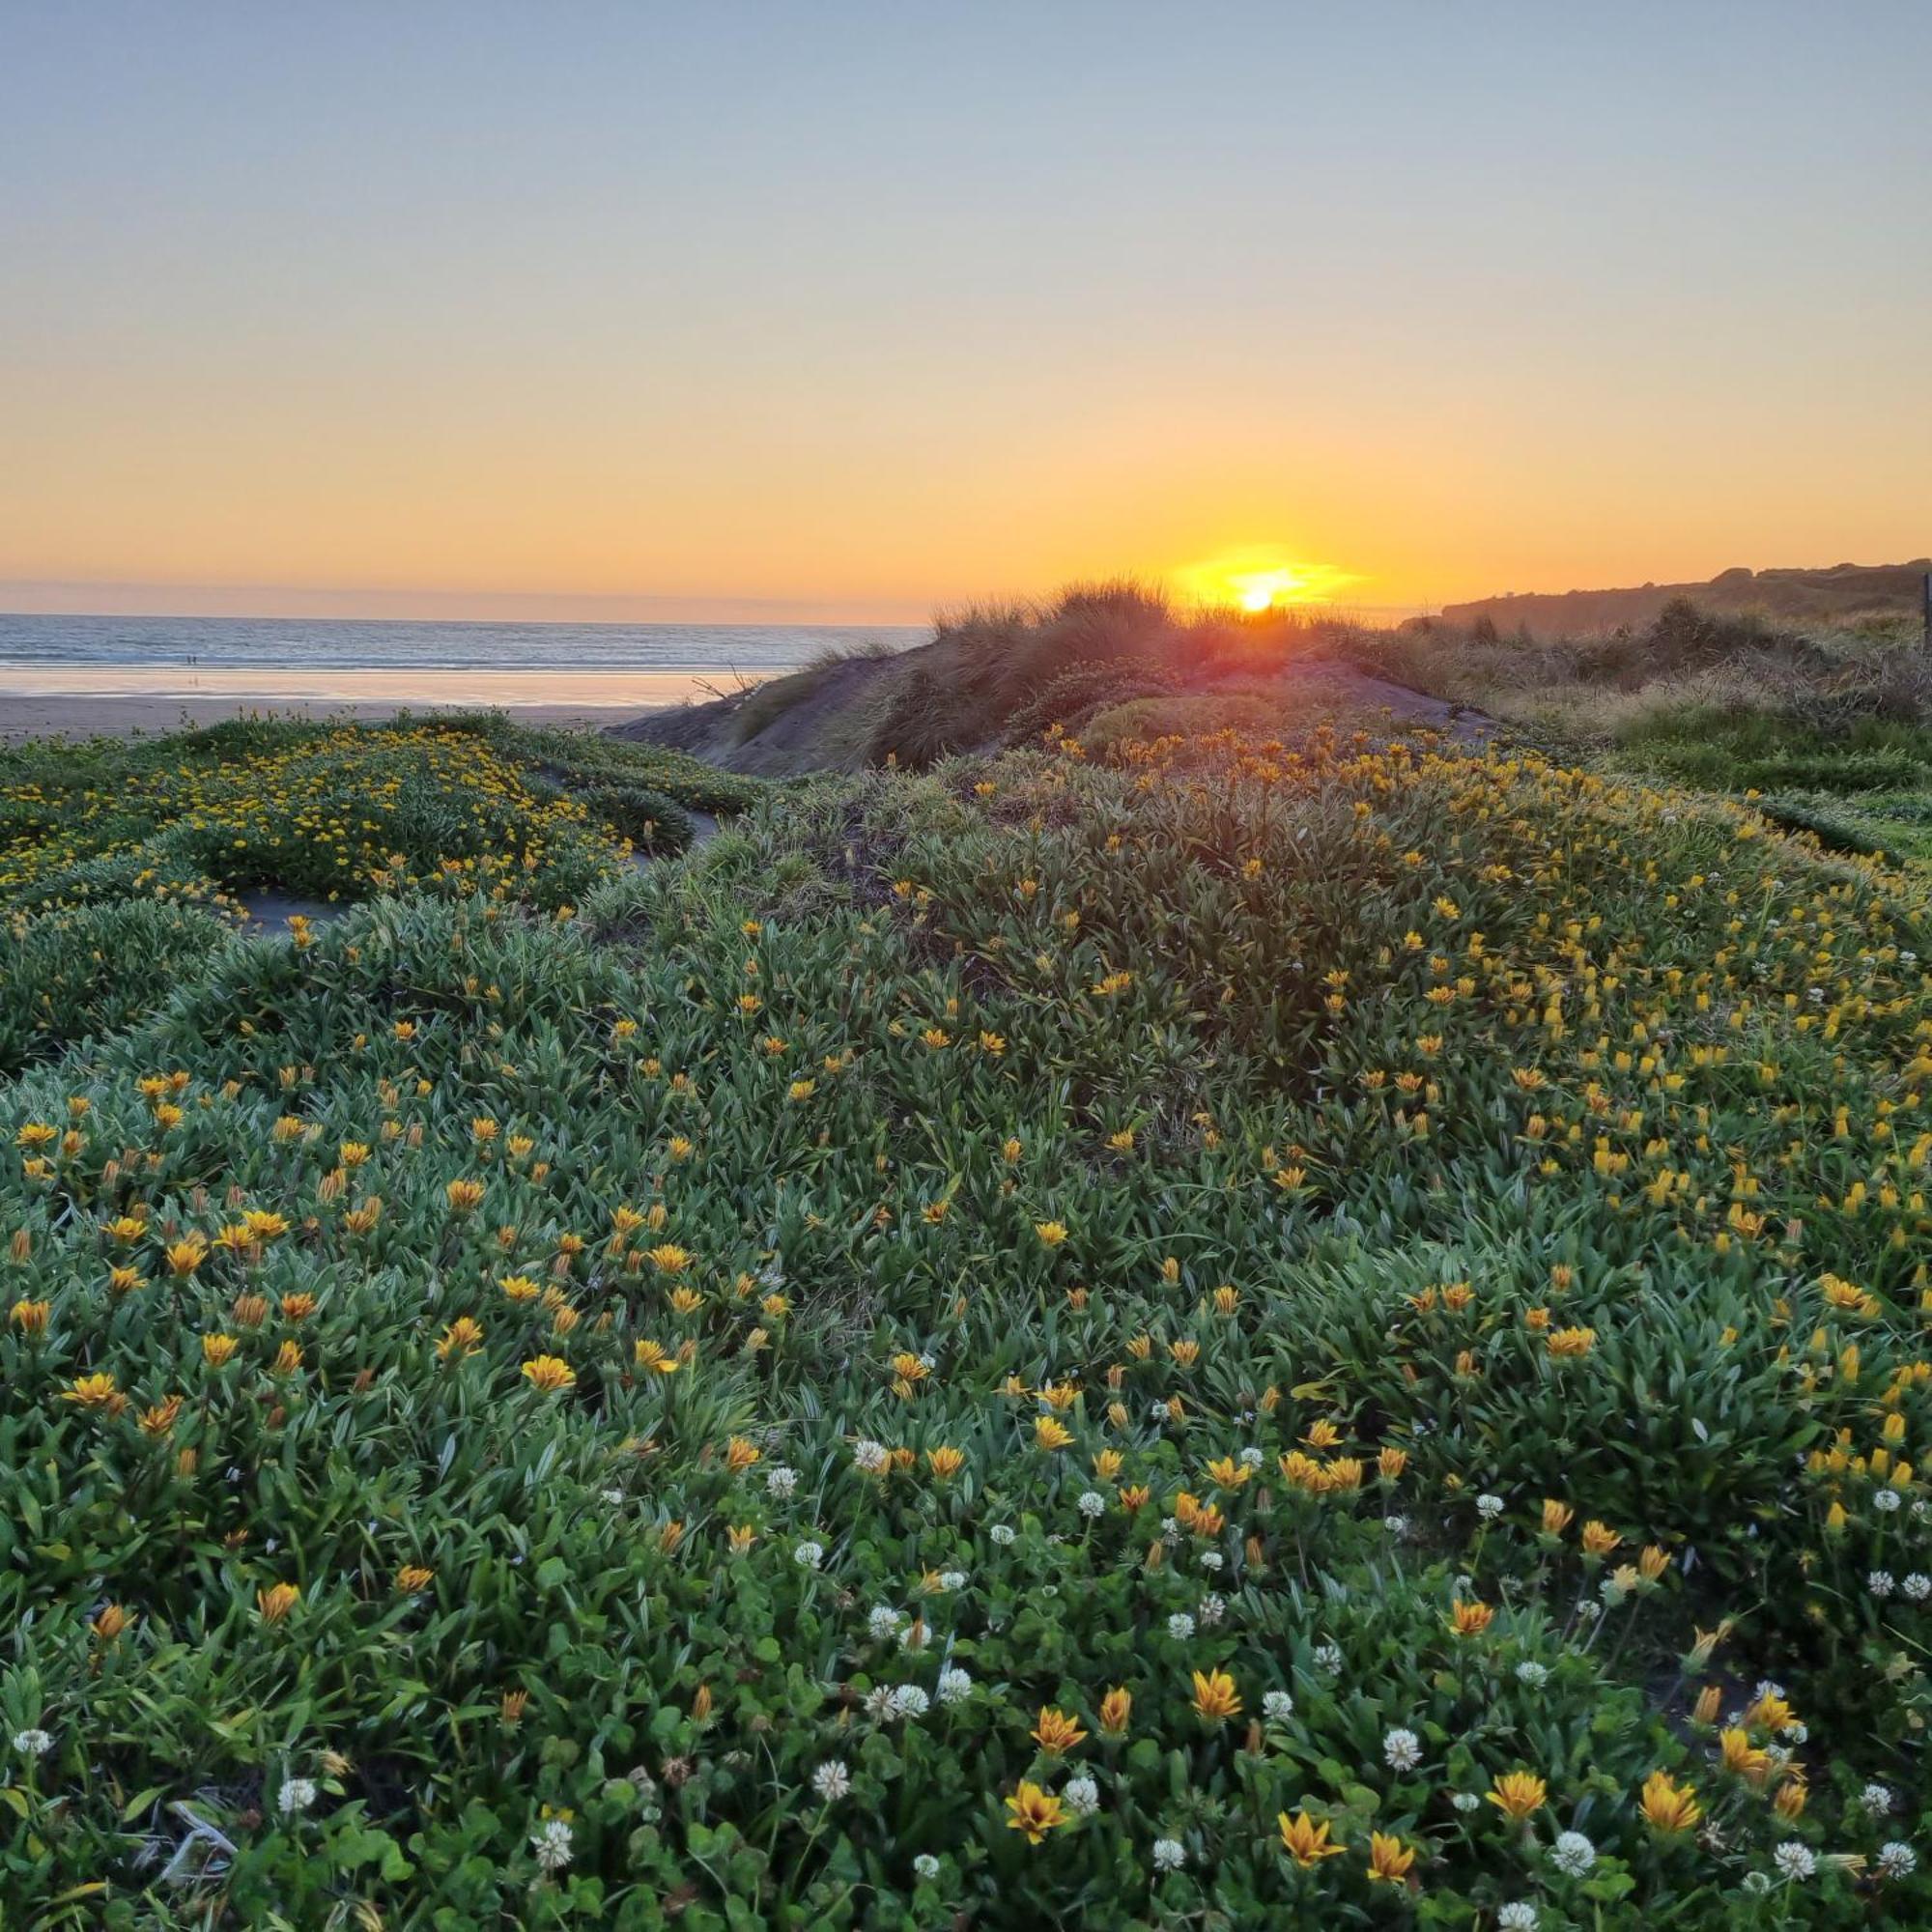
(276, 1600)
(1215, 1697)
(1516, 1794)
(549, 1373)
(945, 1461)
(1056, 1733)
(1469, 1619)
(1117, 1707)
(1599, 1538)
(1389, 1859)
(1035, 1811)
(1670, 1807)
(1555, 1517)
(1304, 1840)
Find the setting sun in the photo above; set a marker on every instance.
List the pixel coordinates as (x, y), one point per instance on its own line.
(1255, 580)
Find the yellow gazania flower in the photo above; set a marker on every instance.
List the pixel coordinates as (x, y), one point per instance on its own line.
(30, 1317)
(945, 1461)
(1469, 1619)
(1570, 1343)
(1117, 1708)
(1670, 1807)
(1049, 1433)
(1555, 1517)
(413, 1576)
(1034, 1812)
(276, 1600)
(158, 1420)
(1305, 1841)
(1215, 1697)
(464, 1194)
(1391, 1462)
(462, 1337)
(741, 1536)
(1055, 1732)
(667, 1258)
(1516, 1794)
(1134, 1496)
(1389, 1859)
(653, 1357)
(550, 1375)
(218, 1349)
(110, 1623)
(1599, 1538)
(1051, 1232)
(740, 1452)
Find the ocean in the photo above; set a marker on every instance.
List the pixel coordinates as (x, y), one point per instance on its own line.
(318, 661)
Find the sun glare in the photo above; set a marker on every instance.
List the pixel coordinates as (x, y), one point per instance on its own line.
(1256, 582)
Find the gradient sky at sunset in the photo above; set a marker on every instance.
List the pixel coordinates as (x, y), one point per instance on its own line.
(848, 310)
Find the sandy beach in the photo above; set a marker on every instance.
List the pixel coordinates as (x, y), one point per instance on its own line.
(116, 700)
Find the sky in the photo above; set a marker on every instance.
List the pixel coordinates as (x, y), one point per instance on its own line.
(852, 311)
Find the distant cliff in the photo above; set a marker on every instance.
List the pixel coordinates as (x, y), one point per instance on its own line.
(1834, 596)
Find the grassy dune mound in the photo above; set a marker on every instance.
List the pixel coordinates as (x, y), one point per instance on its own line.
(122, 864)
(1319, 1333)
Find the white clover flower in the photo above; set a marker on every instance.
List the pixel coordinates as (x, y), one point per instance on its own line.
(614, 1497)
(879, 1704)
(1879, 1582)
(780, 1480)
(1082, 1796)
(1328, 1658)
(1767, 1687)
(1092, 1503)
(1211, 1559)
(1253, 1458)
(872, 1456)
(1796, 1731)
(1489, 1508)
(1896, 1859)
(1180, 1626)
(1917, 1586)
(1212, 1610)
(551, 1841)
(1590, 1610)
(32, 1742)
(1532, 1673)
(832, 1780)
(955, 1686)
(809, 1556)
(1402, 1750)
(297, 1793)
(1755, 1884)
(1396, 1525)
(1465, 1801)
(1573, 1853)
(1520, 1916)
(884, 1621)
(910, 1701)
(1156, 1411)
(1794, 1860)
(1875, 1797)
(925, 1867)
(1169, 1855)
(1277, 1707)
(953, 1579)
(1002, 1533)
(1170, 1531)
(1884, 1501)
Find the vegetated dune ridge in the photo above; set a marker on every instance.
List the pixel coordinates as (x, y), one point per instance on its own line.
(1839, 595)
(990, 680)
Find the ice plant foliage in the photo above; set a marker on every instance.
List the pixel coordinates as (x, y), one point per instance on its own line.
(1246, 1332)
